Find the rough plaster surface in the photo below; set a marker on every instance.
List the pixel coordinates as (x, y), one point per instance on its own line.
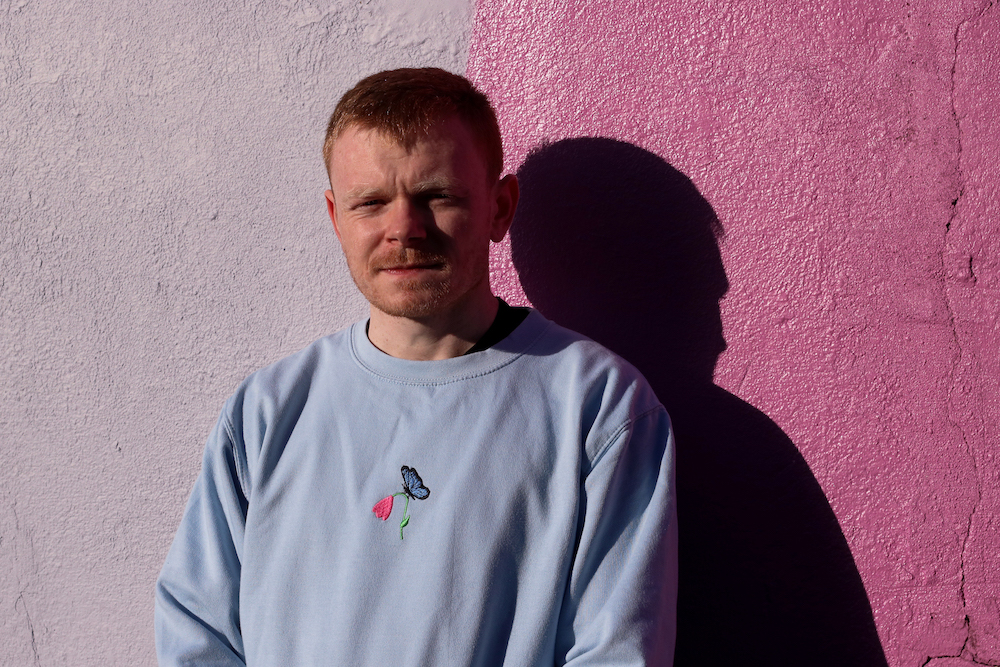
(850, 151)
(163, 234)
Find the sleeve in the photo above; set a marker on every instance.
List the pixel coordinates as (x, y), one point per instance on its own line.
(620, 604)
(197, 593)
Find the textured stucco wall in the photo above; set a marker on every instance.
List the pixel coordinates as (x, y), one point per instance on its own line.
(163, 234)
(850, 151)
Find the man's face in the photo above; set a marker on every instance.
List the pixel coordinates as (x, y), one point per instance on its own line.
(416, 224)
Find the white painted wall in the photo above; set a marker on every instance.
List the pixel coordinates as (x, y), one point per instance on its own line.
(163, 235)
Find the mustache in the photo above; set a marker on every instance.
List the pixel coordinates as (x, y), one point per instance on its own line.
(406, 257)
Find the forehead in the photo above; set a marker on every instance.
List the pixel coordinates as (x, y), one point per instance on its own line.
(448, 144)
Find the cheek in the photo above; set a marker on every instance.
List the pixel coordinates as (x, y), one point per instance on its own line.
(469, 230)
(355, 244)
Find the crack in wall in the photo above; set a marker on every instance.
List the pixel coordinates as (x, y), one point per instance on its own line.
(966, 653)
(972, 661)
(31, 626)
(24, 566)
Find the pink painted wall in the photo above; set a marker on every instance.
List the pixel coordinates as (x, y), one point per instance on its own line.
(849, 150)
(164, 234)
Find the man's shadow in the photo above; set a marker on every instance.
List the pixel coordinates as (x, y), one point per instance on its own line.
(611, 241)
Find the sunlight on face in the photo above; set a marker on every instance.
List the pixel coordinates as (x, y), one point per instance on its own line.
(415, 224)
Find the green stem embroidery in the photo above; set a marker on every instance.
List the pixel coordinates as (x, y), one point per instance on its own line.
(406, 513)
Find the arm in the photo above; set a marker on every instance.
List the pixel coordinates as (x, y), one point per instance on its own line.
(197, 593)
(620, 606)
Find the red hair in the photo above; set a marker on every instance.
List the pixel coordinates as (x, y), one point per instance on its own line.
(406, 103)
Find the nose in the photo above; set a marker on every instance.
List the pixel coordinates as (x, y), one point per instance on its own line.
(407, 222)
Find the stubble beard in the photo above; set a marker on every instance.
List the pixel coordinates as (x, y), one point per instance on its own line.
(415, 298)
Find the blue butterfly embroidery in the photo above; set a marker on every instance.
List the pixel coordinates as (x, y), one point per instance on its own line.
(413, 487)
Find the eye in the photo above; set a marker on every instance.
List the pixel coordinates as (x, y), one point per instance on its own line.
(440, 198)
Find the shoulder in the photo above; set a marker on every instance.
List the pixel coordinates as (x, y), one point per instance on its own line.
(288, 382)
(587, 361)
(609, 390)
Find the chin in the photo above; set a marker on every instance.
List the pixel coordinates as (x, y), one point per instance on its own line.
(413, 303)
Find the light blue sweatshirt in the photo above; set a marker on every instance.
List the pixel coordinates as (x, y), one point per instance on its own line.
(533, 521)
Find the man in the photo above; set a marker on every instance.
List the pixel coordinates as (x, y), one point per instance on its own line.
(527, 471)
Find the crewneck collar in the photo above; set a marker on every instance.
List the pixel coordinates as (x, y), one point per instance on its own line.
(443, 371)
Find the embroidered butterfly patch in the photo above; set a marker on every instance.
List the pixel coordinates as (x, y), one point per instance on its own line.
(413, 487)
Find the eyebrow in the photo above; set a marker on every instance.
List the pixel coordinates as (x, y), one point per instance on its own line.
(430, 185)
(436, 185)
(363, 193)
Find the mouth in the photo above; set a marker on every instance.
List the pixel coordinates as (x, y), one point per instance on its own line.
(403, 269)
(409, 263)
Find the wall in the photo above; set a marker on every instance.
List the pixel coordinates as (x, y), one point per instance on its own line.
(163, 235)
(849, 151)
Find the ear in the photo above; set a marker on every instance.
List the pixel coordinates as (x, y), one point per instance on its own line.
(507, 192)
(331, 208)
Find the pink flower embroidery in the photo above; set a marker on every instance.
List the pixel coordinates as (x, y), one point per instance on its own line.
(413, 487)
(383, 508)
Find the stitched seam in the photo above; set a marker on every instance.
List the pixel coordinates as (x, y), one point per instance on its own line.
(441, 383)
(617, 432)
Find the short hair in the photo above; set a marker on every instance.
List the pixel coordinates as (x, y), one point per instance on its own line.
(406, 103)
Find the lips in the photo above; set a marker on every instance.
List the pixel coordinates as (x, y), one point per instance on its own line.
(413, 267)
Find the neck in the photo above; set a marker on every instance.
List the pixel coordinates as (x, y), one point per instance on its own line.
(440, 336)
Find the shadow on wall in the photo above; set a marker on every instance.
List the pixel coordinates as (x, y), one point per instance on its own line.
(613, 242)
